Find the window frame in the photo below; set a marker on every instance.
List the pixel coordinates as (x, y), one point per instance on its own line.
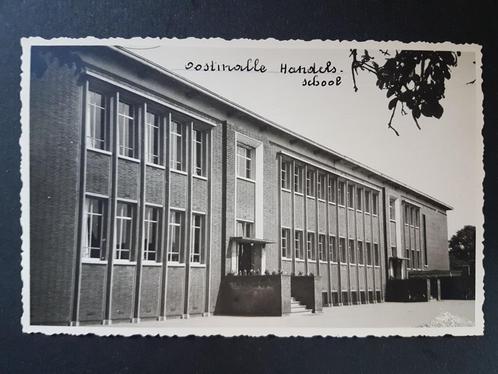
(341, 193)
(128, 146)
(198, 247)
(322, 243)
(360, 253)
(351, 251)
(130, 222)
(90, 125)
(299, 244)
(87, 248)
(150, 129)
(249, 161)
(284, 238)
(332, 190)
(298, 179)
(178, 228)
(178, 139)
(285, 175)
(321, 190)
(342, 251)
(333, 249)
(310, 183)
(199, 154)
(310, 245)
(350, 195)
(156, 223)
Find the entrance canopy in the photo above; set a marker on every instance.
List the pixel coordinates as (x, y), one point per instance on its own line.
(251, 241)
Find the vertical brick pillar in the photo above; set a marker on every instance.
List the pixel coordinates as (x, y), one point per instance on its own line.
(81, 212)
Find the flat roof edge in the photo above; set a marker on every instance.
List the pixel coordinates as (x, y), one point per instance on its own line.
(122, 50)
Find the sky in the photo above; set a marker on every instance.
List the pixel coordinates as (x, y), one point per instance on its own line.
(443, 159)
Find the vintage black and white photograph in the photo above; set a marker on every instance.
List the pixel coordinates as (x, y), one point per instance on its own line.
(251, 187)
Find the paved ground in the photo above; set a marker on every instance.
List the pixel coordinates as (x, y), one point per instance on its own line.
(369, 316)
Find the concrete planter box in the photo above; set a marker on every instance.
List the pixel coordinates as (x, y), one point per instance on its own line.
(254, 295)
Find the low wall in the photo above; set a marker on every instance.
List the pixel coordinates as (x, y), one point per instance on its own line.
(458, 288)
(254, 295)
(408, 290)
(308, 290)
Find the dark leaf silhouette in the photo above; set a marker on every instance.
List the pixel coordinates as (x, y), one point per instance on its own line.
(415, 79)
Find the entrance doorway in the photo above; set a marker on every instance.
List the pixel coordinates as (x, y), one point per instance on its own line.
(245, 258)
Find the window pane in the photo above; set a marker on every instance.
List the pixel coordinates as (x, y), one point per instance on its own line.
(352, 257)
(97, 121)
(153, 138)
(197, 255)
(341, 193)
(350, 196)
(360, 253)
(199, 153)
(331, 189)
(127, 130)
(177, 146)
(124, 231)
(342, 249)
(359, 195)
(151, 231)
(94, 245)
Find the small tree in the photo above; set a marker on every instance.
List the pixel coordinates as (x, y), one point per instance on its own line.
(462, 247)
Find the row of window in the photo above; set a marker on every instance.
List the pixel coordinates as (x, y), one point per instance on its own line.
(335, 190)
(98, 134)
(94, 246)
(364, 255)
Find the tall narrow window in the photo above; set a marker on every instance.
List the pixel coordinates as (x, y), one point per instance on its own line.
(97, 121)
(352, 257)
(197, 255)
(350, 196)
(369, 254)
(367, 201)
(94, 246)
(342, 249)
(310, 246)
(177, 146)
(176, 229)
(245, 229)
(245, 161)
(298, 179)
(392, 209)
(375, 203)
(359, 200)
(321, 186)
(151, 234)
(153, 138)
(286, 177)
(199, 152)
(332, 249)
(341, 192)
(298, 244)
(285, 243)
(331, 189)
(360, 253)
(376, 255)
(321, 248)
(125, 217)
(310, 182)
(127, 130)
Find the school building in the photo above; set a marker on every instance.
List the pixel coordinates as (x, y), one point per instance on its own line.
(152, 197)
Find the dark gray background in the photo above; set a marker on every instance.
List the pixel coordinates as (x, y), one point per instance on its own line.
(455, 21)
